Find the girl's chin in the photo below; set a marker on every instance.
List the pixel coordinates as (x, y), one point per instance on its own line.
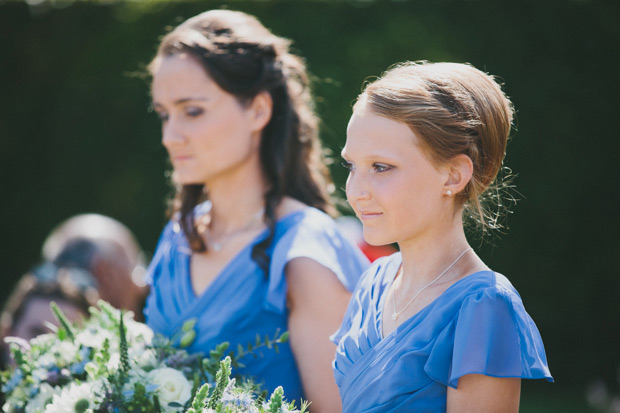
(377, 240)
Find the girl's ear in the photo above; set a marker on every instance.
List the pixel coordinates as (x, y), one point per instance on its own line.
(260, 111)
(460, 170)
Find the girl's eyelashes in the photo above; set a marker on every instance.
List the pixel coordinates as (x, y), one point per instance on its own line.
(377, 167)
(381, 167)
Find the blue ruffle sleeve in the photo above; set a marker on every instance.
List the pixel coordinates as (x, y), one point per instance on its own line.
(493, 335)
(313, 235)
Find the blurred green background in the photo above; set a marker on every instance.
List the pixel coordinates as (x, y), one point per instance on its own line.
(77, 136)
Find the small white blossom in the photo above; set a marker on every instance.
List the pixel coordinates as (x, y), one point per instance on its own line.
(94, 337)
(145, 359)
(138, 332)
(65, 352)
(42, 399)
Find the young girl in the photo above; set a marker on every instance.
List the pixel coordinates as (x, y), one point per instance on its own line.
(250, 249)
(430, 328)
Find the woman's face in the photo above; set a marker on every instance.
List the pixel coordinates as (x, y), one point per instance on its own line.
(208, 133)
(37, 314)
(393, 187)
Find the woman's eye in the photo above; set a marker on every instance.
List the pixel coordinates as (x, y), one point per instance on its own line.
(193, 112)
(346, 165)
(163, 116)
(380, 167)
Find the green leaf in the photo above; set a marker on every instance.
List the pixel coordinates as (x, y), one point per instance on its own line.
(62, 320)
(175, 405)
(189, 324)
(187, 339)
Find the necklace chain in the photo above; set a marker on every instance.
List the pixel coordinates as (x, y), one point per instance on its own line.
(398, 313)
(217, 245)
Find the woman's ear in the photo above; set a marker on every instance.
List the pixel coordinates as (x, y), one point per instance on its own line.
(260, 111)
(460, 170)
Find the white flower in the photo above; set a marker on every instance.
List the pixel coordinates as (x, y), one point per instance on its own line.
(94, 337)
(115, 362)
(44, 340)
(65, 352)
(45, 361)
(45, 396)
(173, 386)
(145, 359)
(138, 332)
(75, 398)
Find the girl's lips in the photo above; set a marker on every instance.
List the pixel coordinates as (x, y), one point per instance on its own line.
(369, 215)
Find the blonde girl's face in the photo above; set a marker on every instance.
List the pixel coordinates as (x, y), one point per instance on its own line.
(393, 187)
(207, 132)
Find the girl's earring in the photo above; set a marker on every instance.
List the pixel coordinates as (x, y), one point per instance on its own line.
(448, 192)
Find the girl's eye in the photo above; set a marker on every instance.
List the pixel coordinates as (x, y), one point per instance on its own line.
(380, 167)
(347, 165)
(194, 112)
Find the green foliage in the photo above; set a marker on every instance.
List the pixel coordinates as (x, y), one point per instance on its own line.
(123, 345)
(221, 381)
(275, 402)
(228, 397)
(253, 348)
(66, 327)
(200, 399)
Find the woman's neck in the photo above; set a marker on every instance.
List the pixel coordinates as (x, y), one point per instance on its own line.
(235, 200)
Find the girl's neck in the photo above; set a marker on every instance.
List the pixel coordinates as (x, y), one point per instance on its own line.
(424, 259)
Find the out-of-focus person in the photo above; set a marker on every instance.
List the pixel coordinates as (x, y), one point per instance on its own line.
(109, 251)
(27, 312)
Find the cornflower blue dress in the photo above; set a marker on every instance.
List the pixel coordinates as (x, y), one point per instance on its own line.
(477, 326)
(242, 301)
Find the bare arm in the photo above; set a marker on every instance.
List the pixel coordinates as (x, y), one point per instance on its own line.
(480, 393)
(317, 302)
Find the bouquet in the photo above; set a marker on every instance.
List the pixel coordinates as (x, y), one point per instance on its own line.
(111, 363)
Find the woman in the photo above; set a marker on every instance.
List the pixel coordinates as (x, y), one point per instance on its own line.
(431, 328)
(250, 249)
(27, 312)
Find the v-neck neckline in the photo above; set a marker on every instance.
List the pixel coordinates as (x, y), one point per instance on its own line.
(189, 287)
(425, 309)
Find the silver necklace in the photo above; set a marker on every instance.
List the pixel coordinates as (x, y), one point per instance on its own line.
(398, 313)
(217, 245)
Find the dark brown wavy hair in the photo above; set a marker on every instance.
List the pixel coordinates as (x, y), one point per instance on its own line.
(245, 59)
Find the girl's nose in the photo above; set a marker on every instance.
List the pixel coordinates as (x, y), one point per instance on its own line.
(356, 189)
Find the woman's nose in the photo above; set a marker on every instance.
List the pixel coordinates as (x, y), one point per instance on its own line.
(172, 134)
